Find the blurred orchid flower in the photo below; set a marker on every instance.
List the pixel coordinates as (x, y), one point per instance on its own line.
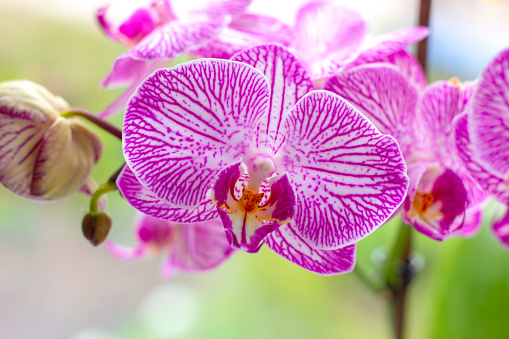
(482, 136)
(191, 247)
(43, 155)
(443, 200)
(331, 38)
(156, 34)
(303, 171)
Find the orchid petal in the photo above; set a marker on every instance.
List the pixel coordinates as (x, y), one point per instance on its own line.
(348, 177)
(409, 66)
(186, 123)
(436, 202)
(489, 119)
(244, 32)
(286, 242)
(225, 7)
(288, 83)
(124, 252)
(145, 201)
(246, 222)
(492, 183)
(384, 96)
(438, 105)
(501, 230)
(386, 44)
(473, 221)
(165, 42)
(199, 247)
(327, 35)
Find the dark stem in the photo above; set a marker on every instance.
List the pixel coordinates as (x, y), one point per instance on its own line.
(422, 46)
(103, 124)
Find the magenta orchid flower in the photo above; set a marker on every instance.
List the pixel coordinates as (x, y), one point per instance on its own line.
(191, 247)
(443, 200)
(331, 38)
(482, 136)
(302, 171)
(156, 34)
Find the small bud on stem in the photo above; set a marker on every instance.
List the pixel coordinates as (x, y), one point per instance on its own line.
(96, 227)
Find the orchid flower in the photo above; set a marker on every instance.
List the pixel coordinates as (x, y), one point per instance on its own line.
(331, 38)
(192, 247)
(302, 171)
(43, 155)
(482, 136)
(443, 200)
(156, 33)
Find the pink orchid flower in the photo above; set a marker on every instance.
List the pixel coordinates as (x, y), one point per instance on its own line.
(191, 247)
(443, 200)
(482, 136)
(330, 38)
(248, 140)
(156, 33)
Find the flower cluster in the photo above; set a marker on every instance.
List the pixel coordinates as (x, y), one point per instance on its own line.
(305, 138)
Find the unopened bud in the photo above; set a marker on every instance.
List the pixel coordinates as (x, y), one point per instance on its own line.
(96, 227)
(43, 155)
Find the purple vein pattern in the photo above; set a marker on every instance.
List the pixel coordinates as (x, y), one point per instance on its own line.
(377, 91)
(145, 201)
(286, 242)
(489, 116)
(178, 126)
(288, 83)
(348, 177)
(493, 184)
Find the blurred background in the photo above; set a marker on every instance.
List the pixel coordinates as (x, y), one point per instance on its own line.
(54, 284)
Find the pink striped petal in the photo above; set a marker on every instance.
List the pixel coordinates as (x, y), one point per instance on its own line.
(288, 83)
(244, 32)
(493, 184)
(436, 202)
(186, 123)
(501, 230)
(384, 96)
(489, 119)
(473, 221)
(143, 200)
(327, 35)
(438, 105)
(199, 247)
(165, 42)
(225, 7)
(286, 242)
(389, 43)
(349, 178)
(407, 65)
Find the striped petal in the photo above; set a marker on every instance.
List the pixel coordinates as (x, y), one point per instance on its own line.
(384, 96)
(183, 125)
(487, 181)
(409, 66)
(288, 83)
(244, 32)
(145, 201)
(489, 118)
(165, 42)
(327, 35)
(389, 43)
(287, 242)
(349, 178)
(501, 230)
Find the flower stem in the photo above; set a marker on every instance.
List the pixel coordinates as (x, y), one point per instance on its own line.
(398, 275)
(103, 189)
(422, 46)
(101, 123)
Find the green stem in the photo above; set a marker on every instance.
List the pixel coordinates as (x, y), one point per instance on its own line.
(103, 124)
(398, 274)
(103, 189)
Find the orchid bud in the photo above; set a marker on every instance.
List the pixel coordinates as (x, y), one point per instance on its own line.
(96, 226)
(43, 155)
